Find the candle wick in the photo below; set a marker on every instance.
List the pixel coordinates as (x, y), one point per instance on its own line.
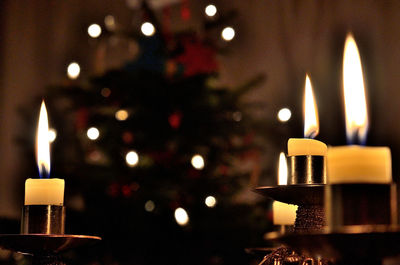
(43, 172)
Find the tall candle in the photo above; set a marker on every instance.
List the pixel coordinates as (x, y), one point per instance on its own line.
(283, 213)
(44, 191)
(304, 146)
(354, 163)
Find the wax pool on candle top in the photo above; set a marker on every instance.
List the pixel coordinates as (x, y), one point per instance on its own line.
(283, 213)
(302, 146)
(358, 164)
(44, 191)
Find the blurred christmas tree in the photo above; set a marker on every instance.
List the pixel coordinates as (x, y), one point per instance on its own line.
(152, 154)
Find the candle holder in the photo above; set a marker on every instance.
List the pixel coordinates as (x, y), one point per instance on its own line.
(360, 204)
(43, 219)
(307, 169)
(42, 235)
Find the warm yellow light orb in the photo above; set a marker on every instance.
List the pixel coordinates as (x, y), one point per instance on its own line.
(197, 162)
(210, 201)
(52, 135)
(181, 216)
(121, 115)
(93, 133)
(149, 206)
(228, 34)
(284, 115)
(73, 70)
(132, 158)
(94, 30)
(148, 29)
(211, 10)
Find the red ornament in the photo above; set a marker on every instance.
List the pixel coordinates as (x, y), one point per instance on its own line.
(185, 10)
(126, 191)
(197, 57)
(175, 120)
(127, 137)
(82, 117)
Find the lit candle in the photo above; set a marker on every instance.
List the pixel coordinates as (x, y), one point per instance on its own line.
(283, 213)
(302, 146)
(44, 191)
(354, 163)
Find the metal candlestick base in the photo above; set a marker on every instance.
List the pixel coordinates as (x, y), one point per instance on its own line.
(349, 243)
(300, 194)
(43, 219)
(43, 245)
(360, 204)
(307, 169)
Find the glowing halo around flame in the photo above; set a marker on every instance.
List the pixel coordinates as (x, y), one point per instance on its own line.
(311, 123)
(354, 93)
(43, 143)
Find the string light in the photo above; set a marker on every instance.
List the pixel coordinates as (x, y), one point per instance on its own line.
(228, 33)
(181, 216)
(93, 133)
(121, 115)
(52, 135)
(149, 206)
(211, 10)
(109, 21)
(284, 115)
(94, 31)
(105, 92)
(210, 201)
(148, 29)
(197, 162)
(73, 70)
(132, 158)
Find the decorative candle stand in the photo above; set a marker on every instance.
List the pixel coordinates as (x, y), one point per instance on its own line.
(305, 188)
(42, 235)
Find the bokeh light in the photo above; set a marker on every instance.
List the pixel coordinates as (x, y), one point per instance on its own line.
(211, 10)
(93, 133)
(284, 115)
(148, 29)
(121, 115)
(181, 216)
(149, 206)
(94, 30)
(197, 162)
(52, 135)
(210, 201)
(73, 70)
(228, 34)
(132, 158)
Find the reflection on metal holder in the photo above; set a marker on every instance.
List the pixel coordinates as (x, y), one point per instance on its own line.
(43, 219)
(360, 204)
(307, 169)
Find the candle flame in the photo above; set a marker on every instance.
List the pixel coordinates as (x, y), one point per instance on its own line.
(282, 170)
(311, 123)
(354, 93)
(42, 143)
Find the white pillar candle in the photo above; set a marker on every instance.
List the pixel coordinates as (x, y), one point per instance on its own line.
(302, 146)
(358, 164)
(283, 213)
(44, 192)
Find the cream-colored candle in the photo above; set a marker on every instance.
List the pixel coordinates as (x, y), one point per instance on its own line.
(303, 146)
(357, 164)
(44, 191)
(283, 213)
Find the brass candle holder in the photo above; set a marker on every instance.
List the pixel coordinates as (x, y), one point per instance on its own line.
(43, 219)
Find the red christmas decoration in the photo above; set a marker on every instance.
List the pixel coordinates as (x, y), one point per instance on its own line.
(197, 57)
(126, 191)
(175, 120)
(185, 10)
